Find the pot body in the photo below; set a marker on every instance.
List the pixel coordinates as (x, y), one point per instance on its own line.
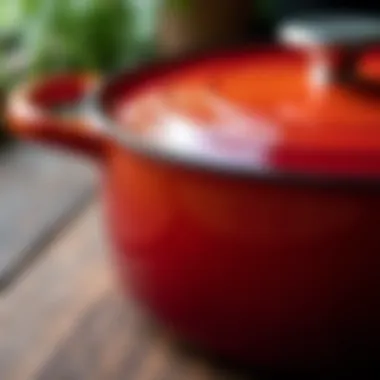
(280, 274)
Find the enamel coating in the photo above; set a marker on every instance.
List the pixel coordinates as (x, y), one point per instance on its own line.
(277, 272)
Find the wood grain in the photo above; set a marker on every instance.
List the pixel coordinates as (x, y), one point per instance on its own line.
(66, 319)
(37, 312)
(40, 191)
(112, 342)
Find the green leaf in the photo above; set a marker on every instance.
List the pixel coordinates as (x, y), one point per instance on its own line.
(93, 34)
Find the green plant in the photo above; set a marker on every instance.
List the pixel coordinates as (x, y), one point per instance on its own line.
(53, 35)
(80, 34)
(91, 34)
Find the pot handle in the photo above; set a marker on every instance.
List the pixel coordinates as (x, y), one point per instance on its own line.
(335, 45)
(30, 113)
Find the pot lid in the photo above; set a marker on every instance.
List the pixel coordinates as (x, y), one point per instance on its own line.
(310, 106)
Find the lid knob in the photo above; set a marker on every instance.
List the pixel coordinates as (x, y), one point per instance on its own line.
(323, 35)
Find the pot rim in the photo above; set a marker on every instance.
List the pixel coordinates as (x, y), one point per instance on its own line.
(95, 107)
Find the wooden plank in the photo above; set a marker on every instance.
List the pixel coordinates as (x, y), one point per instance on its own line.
(112, 342)
(38, 311)
(66, 319)
(40, 191)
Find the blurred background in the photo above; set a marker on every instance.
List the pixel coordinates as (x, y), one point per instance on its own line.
(49, 35)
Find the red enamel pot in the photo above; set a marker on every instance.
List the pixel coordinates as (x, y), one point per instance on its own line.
(242, 189)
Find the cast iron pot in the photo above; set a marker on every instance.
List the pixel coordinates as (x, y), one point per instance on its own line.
(242, 189)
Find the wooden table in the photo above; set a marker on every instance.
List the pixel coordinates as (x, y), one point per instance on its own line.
(62, 316)
(65, 319)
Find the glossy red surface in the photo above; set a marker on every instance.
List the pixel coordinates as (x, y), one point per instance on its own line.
(258, 101)
(29, 113)
(279, 273)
